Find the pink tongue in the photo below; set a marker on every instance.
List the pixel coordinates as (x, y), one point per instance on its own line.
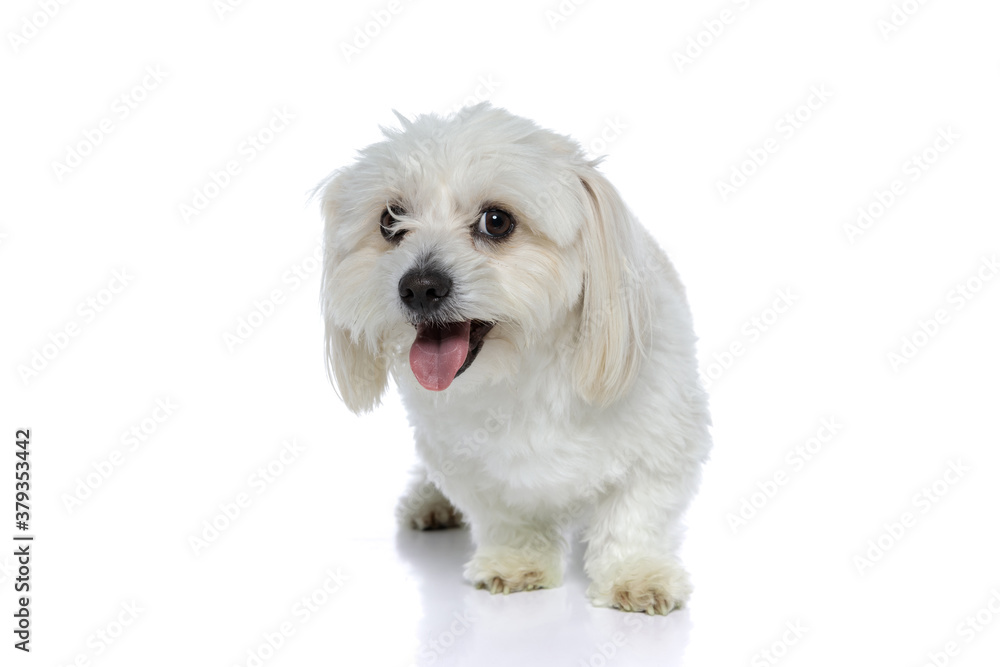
(438, 352)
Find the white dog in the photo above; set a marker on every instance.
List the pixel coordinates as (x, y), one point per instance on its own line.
(542, 344)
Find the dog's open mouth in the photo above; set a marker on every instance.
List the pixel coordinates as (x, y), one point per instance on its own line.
(442, 352)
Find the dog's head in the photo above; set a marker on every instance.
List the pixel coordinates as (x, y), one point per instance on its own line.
(461, 242)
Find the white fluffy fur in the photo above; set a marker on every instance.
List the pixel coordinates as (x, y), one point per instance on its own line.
(584, 405)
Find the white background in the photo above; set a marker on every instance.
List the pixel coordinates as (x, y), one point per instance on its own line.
(673, 131)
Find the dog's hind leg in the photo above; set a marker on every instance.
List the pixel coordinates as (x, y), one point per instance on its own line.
(424, 507)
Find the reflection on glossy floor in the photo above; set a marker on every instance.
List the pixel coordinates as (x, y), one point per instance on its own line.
(464, 626)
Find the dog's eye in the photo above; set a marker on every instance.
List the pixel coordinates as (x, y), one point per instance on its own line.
(495, 223)
(387, 223)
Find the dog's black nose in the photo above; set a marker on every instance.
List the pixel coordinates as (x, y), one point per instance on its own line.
(423, 290)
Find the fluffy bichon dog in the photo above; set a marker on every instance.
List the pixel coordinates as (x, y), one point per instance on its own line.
(542, 344)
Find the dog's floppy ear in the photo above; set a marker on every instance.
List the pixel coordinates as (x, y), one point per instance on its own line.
(615, 326)
(355, 365)
(358, 375)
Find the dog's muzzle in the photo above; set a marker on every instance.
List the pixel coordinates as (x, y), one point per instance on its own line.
(441, 351)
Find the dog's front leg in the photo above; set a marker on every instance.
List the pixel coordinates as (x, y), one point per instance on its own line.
(632, 543)
(514, 554)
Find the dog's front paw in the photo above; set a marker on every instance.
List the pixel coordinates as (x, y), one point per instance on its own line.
(644, 585)
(506, 570)
(424, 507)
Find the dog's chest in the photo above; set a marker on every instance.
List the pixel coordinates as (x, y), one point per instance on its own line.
(528, 449)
